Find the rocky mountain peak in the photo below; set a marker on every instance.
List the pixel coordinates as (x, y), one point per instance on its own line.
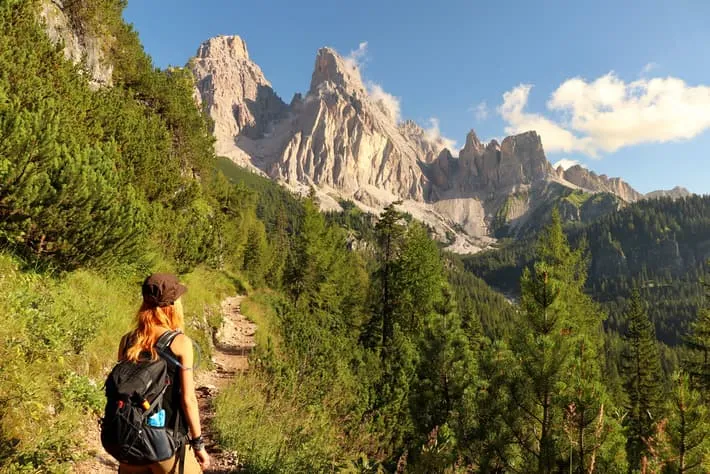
(331, 68)
(344, 142)
(428, 146)
(224, 48)
(677, 192)
(410, 127)
(473, 145)
(584, 178)
(493, 145)
(235, 93)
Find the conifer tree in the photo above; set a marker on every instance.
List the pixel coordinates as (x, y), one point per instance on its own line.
(641, 369)
(543, 349)
(390, 231)
(557, 342)
(255, 253)
(698, 341)
(688, 428)
(418, 280)
(446, 371)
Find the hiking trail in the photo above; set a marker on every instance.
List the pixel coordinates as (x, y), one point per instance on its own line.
(233, 343)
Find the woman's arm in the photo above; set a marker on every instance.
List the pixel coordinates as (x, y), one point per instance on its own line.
(182, 347)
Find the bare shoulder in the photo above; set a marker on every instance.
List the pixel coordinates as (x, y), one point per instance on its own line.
(181, 344)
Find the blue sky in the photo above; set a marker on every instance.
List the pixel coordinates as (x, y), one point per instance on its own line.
(622, 87)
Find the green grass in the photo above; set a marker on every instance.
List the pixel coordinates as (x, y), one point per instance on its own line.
(578, 198)
(271, 432)
(267, 415)
(258, 309)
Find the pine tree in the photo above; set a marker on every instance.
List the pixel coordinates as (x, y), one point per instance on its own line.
(698, 341)
(255, 253)
(390, 231)
(557, 342)
(446, 371)
(417, 280)
(542, 345)
(593, 432)
(641, 369)
(687, 428)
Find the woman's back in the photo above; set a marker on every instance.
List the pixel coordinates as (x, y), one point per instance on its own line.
(160, 313)
(172, 402)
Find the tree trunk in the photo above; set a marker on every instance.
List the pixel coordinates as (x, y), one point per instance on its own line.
(546, 455)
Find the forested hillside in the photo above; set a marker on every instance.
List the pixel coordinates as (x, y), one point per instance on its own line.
(376, 352)
(660, 246)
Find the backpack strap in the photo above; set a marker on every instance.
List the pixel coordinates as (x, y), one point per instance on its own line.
(181, 450)
(163, 344)
(166, 339)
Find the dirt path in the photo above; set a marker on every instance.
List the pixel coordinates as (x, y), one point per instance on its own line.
(232, 345)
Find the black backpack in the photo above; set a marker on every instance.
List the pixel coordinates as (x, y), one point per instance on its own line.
(134, 392)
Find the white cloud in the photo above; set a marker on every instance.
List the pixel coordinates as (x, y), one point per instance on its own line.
(554, 136)
(357, 57)
(433, 135)
(387, 102)
(567, 163)
(481, 111)
(648, 68)
(608, 114)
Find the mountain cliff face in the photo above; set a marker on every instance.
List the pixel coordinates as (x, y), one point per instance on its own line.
(587, 179)
(78, 44)
(337, 137)
(345, 143)
(235, 93)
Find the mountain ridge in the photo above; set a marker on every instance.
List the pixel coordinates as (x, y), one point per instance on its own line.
(342, 141)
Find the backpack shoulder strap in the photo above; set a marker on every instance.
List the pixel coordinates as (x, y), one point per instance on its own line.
(163, 344)
(165, 340)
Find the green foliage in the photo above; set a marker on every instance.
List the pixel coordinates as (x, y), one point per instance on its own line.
(88, 174)
(61, 199)
(58, 341)
(641, 370)
(556, 390)
(275, 433)
(658, 246)
(698, 360)
(483, 311)
(688, 444)
(446, 372)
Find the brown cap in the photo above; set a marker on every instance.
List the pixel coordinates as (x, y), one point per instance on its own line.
(162, 289)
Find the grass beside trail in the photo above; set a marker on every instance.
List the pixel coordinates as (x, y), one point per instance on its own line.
(264, 422)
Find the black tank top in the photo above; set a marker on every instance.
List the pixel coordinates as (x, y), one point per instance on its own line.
(172, 400)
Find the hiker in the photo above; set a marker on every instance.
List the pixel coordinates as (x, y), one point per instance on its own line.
(159, 325)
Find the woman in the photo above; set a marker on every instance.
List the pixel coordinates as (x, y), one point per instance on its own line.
(161, 312)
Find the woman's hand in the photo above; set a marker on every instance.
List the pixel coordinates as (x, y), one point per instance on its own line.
(203, 458)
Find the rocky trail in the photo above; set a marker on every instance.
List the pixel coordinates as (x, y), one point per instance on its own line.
(233, 343)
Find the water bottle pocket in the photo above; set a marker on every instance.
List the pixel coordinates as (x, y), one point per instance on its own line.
(157, 419)
(162, 442)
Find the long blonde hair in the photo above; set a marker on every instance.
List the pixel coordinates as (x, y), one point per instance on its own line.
(149, 317)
